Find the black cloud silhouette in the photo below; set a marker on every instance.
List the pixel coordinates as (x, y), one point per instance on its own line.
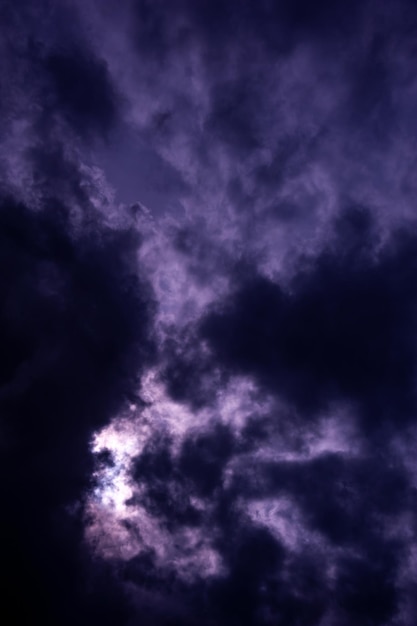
(75, 327)
(343, 328)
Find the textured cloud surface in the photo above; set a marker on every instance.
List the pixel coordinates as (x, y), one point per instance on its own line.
(208, 247)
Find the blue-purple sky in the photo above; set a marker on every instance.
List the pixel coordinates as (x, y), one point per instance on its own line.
(208, 322)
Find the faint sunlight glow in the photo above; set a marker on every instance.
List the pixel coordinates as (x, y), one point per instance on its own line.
(113, 487)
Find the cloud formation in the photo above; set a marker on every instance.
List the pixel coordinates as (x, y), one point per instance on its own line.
(344, 326)
(208, 270)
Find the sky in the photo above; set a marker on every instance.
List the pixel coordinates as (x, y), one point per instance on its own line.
(208, 374)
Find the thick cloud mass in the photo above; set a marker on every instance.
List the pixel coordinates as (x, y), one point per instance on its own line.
(344, 326)
(75, 332)
(208, 393)
(82, 91)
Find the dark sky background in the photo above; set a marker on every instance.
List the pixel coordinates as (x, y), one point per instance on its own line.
(208, 278)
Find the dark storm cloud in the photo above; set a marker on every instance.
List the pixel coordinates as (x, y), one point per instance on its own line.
(203, 459)
(82, 90)
(343, 327)
(253, 593)
(253, 589)
(169, 483)
(56, 345)
(351, 502)
(344, 497)
(166, 494)
(189, 374)
(75, 327)
(75, 318)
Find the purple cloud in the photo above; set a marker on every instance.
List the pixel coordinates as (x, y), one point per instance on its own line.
(207, 232)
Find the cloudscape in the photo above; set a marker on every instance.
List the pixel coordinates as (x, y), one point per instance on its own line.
(208, 375)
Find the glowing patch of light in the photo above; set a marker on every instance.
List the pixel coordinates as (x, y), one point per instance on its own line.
(113, 485)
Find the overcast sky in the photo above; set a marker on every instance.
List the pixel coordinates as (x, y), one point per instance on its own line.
(208, 271)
